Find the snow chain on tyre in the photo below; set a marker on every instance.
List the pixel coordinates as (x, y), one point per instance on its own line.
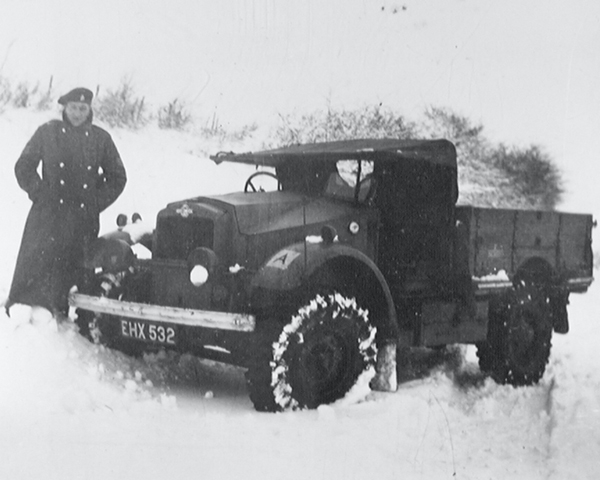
(318, 356)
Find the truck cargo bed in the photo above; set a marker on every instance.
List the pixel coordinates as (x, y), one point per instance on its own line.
(507, 241)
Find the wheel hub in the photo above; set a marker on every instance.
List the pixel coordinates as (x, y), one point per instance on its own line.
(522, 339)
(323, 361)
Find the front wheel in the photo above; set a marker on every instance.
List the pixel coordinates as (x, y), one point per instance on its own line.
(519, 337)
(315, 359)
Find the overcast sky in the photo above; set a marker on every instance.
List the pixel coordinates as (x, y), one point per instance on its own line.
(529, 70)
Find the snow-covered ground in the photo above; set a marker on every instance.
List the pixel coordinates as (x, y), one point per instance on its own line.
(71, 410)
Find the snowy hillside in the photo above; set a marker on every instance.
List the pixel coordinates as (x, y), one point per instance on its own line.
(71, 410)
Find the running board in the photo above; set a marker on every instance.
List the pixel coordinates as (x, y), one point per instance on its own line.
(239, 322)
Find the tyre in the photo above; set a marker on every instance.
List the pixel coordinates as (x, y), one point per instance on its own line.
(315, 358)
(519, 337)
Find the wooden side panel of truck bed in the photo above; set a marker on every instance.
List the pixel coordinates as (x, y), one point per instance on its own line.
(502, 239)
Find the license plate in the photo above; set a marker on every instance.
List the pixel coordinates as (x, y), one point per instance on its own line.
(148, 332)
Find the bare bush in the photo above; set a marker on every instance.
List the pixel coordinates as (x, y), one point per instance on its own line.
(333, 124)
(23, 95)
(122, 107)
(5, 92)
(18, 96)
(174, 116)
(531, 173)
(45, 98)
(215, 129)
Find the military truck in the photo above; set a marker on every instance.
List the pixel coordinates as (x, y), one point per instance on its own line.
(359, 249)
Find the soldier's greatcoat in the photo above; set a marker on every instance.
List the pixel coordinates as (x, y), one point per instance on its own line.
(81, 175)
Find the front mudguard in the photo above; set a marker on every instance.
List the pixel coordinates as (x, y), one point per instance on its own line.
(109, 255)
(292, 268)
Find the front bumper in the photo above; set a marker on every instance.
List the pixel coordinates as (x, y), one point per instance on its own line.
(237, 322)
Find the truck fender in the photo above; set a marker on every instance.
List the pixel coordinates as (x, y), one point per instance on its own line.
(297, 265)
(109, 255)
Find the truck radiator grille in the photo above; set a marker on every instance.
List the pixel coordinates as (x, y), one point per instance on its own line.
(176, 237)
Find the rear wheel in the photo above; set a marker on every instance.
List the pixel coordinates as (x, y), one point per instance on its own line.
(315, 359)
(519, 337)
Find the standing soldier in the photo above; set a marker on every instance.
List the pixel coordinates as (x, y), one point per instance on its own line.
(81, 175)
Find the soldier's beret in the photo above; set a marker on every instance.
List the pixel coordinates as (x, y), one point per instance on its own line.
(77, 95)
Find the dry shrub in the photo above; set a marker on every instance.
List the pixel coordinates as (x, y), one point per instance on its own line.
(122, 107)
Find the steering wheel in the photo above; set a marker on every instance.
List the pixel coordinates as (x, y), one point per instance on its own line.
(250, 185)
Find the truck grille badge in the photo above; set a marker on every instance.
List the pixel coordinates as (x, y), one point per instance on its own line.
(185, 210)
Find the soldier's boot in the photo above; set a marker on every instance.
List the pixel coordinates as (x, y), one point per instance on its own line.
(42, 317)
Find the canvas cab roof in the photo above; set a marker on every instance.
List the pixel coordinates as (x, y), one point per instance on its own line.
(441, 152)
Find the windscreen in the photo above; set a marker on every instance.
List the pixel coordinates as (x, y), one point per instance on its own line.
(349, 175)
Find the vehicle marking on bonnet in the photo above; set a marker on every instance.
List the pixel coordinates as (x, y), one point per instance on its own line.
(283, 259)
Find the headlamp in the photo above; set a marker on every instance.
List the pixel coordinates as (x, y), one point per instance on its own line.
(198, 275)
